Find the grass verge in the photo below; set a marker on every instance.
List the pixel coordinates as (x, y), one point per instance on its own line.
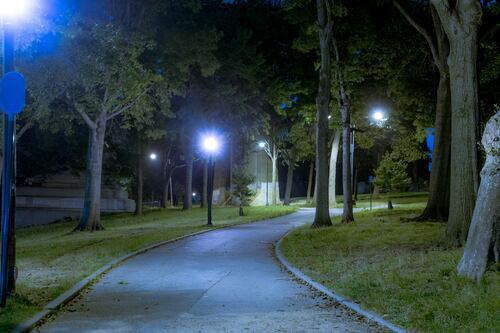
(399, 270)
(51, 259)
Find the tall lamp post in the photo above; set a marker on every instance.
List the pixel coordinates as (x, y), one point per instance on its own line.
(211, 145)
(12, 100)
(262, 145)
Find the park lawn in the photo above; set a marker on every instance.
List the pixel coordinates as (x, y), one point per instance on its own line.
(399, 270)
(51, 259)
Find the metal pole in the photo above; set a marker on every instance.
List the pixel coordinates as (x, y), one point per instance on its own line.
(8, 272)
(211, 166)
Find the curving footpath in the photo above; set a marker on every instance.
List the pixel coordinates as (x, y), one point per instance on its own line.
(226, 280)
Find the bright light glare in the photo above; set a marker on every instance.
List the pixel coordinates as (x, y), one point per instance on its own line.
(14, 8)
(211, 144)
(378, 116)
(329, 116)
(153, 156)
(262, 144)
(194, 194)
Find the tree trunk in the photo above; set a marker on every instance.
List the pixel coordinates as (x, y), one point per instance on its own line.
(274, 178)
(310, 182)
(438, 203)
(139, 181)
(461, 25)
(322, 216)
(347, 213)
(332, 179)
(188, 188)
(205, 184)
(289, 179)
(484, 233)
(91, 214)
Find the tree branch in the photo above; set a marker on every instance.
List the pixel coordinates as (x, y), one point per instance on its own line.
(117, 111)
(82, 113)
(423, 32)
(23, 129)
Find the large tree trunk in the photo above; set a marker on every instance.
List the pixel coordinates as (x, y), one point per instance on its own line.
(438, 203)
(347, 183)
(139, 181)
(461, 23)
(484, 233)
(322, 216)
(91, 215)
(188, 188)
(310, 182)
(289, 179)
(332, 178)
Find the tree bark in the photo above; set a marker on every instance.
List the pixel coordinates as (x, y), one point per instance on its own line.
(91, 214)
(332, 178)
(188, 188)
(438, 203)
(310, 182)
(325, 25)
(274, 177)
(289, 179)
(484, 233)
(347, 184)
(461, 23)
(140, 182)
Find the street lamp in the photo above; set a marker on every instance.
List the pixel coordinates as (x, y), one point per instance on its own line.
(211, 145)
(153, 156)
(12, 100)
(378, 115)
(263, 145)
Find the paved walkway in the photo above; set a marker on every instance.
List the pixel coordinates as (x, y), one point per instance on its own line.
(223, 281)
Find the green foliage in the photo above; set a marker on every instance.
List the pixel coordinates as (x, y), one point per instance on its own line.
(391, 175)
(242, 180)
(408, 148)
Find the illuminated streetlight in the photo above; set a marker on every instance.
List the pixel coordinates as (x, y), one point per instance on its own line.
(12, 100)
(263, 145)
(378, 115)
(153, 156)
(211, 144)
(14, 9)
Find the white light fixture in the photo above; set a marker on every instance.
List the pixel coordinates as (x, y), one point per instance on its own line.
(211, 144)
(262, 144)
(153, 156)
(13, 9)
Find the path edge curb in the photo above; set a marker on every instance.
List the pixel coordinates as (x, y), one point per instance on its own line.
(74, 291)
(342, 300)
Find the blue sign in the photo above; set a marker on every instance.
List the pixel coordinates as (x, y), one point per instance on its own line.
(370, 179)
(12, 93)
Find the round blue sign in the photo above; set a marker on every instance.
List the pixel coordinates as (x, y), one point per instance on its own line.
(12, 93)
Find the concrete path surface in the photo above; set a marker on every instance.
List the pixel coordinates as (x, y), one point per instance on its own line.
(226, 280)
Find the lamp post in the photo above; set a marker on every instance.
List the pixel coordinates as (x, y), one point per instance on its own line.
(263, 145)
(211, 146)
(12, 99)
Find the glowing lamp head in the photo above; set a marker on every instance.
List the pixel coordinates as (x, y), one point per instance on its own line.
(211, 144)
(153, 156)
(378, 116)
(14, 9)
(262, 144)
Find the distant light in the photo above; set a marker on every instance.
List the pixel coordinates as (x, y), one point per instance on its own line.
(12, 9)
(378, 116)
(153, 156)
(211, 144)
(194, 194)
(262, 144)
(330, 117)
